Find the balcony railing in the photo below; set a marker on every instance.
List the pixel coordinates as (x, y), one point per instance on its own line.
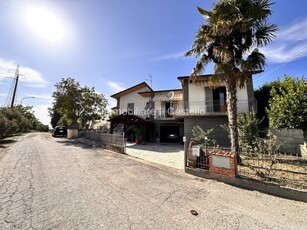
(209, 107)
(165, 113)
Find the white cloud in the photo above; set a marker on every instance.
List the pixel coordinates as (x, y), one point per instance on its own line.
(290, 44)
(41, 113)
(167, 57)
(30, 77)
(295, 32)
(115, 86)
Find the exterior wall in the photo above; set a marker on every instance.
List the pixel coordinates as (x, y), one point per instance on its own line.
(196, 98)
(138, 100)
(251, 97)
(219, 134)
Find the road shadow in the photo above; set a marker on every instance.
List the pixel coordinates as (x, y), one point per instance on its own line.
(5, 142)
(84, 144)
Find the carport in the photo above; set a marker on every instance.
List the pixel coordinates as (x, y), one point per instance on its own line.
(129, 122)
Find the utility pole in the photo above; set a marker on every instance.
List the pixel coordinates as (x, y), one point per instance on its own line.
(15, 86)
(11, 97)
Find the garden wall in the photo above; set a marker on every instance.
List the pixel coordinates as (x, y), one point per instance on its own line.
(291, 139)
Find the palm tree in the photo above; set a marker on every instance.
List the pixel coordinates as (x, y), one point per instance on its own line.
(230, 38)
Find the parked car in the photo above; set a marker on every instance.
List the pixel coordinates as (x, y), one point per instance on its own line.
(172, 137)
(59, 131)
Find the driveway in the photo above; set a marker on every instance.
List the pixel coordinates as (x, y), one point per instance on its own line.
(168, 154)
(56, 183)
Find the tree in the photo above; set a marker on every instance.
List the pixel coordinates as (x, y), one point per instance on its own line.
(232, 29)
(288, 105)
(55, 117)
(76, 104)
(262, 96)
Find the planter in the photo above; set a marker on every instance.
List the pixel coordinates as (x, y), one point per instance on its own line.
(138, 140)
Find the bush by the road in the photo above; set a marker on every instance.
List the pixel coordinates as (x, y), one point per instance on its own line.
(19, 120)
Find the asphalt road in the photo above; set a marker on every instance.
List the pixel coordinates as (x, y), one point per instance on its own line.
(55, 183)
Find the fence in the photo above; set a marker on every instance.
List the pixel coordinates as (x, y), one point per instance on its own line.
(110, 140)
(286, 170)
(282, 169)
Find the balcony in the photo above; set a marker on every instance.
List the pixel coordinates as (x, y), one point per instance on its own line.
(205, 108)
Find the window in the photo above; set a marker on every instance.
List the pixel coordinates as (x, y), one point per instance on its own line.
(130, 108)
(219, 99)
(170, 108)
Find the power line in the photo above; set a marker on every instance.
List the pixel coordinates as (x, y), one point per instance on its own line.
(278, 66)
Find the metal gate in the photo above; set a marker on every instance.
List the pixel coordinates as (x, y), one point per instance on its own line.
(197, 157)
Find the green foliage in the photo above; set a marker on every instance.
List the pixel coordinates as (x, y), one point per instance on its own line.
(76, 104)
(248, 131)
(288, 105)
(19, 120)
(249, 136)
(113, 114)
(262, 96)
(202, 137)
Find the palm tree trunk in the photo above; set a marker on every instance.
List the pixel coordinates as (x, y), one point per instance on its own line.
(231, 96)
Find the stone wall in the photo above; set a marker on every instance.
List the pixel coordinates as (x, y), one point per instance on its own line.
(219, 134)
(291, 139)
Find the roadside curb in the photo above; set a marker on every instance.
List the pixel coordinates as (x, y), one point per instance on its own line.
(252, 185)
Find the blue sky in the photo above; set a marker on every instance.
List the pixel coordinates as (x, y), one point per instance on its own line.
(115, 44)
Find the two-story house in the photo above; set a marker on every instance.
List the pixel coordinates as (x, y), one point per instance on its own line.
(167, 115)
(152, 111)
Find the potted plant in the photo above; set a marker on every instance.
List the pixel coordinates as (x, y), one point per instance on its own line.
(138, 135)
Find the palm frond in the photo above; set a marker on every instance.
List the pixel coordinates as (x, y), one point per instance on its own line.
(206, 14)
(254, 61)
(265, 34)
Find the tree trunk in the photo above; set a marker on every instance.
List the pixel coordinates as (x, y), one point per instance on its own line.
(231, 96)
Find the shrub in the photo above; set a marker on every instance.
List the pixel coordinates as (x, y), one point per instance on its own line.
(202, 137)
